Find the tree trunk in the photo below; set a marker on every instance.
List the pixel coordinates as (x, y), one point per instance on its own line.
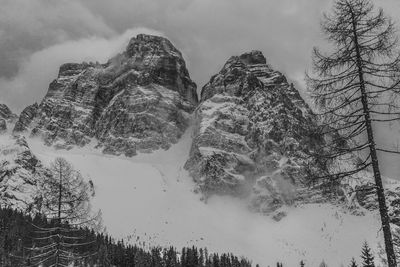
(59, 195)
(59, 215)
(391, 258)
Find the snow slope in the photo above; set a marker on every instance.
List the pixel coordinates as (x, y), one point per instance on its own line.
(151, 196)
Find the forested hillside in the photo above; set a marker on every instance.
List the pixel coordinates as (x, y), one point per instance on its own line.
(17, 248)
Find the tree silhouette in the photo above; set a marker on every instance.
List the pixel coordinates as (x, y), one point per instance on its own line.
(356, 88)
(66, 202)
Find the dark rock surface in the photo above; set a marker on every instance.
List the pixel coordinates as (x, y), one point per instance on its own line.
(26, 118)
(138, 101)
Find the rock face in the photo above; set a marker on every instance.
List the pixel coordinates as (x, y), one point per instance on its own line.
(253, 133)
(20, 173)
(138, 101)
(26, 118)
(6, 116)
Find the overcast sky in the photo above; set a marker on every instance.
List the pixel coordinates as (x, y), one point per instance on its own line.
(36, 36)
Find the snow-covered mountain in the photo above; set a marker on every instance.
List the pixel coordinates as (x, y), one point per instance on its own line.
(138, 101)
(134, 127)
(253, 134)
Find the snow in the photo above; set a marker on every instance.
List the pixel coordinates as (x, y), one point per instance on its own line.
(149, 199)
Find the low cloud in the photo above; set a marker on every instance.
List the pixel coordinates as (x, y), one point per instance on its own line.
(28, 26)
(208, 32)
(31, 82)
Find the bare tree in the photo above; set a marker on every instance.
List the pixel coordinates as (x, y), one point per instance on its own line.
(66, 201)
(356, 86)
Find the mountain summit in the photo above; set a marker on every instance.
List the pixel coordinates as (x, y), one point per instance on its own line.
(253, 130)
(138, 101)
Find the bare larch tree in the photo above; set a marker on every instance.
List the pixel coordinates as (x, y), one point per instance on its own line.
(66, 201)
(355, 86)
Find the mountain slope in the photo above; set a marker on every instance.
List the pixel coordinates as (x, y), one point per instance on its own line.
(149, 199)
(20, 174)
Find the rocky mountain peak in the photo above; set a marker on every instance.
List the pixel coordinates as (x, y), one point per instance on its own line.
(252, 133)
(162, 63)
(138, 101)
(143, 44)
(253, 57)
(247, 74)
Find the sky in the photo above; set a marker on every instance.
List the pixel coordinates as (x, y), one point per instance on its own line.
(37, 36)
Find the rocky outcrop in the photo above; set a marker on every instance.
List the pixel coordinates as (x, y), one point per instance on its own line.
(26, 118)
(20, 174)
(252, 134)
(6, 117)
(138, 101)
(3, 125)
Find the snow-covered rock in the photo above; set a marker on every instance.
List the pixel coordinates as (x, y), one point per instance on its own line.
(20, 174)
(138, 101)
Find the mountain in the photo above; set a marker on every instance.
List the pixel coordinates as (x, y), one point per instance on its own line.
(246, 143)
(138, 101)
(253, 134)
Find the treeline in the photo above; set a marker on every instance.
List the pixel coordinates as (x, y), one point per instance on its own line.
(18, 244)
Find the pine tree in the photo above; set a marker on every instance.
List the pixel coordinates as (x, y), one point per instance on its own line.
(366, 255)
(357, 88)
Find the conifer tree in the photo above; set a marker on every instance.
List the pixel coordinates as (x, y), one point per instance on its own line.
(356, 89)
(367, 257)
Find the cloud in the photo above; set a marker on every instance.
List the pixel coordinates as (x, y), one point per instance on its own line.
(31, 82)
(208, 32)
(28, 26)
